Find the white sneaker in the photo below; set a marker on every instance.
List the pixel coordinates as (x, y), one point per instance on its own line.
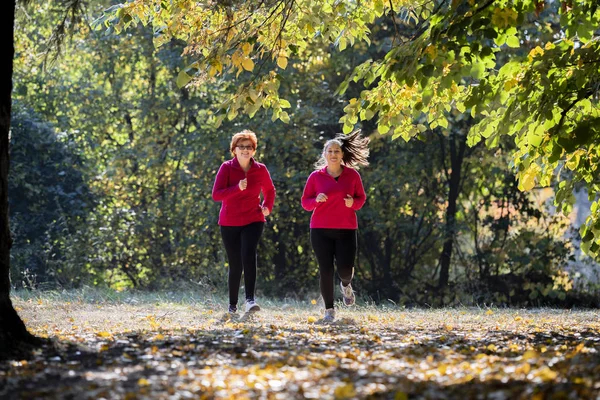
(329, 315)
(348, 294)
(251, 306)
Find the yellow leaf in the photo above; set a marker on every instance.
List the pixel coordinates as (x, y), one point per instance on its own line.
(400, 396)
(248, 64)
(332, 362)
(510, 84)
(546, 374)
(535, 52)
(236, 59)
(489, 312)
(312, 320)
(313, 302)
(431, 51)
(247, 48)
(282, 62)
(104, 334)
(529, 354)
(527, 177)
(143, 382)
(345, 391)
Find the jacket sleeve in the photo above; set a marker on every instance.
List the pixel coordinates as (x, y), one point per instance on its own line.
(268, 190)
(220, 190)
(359, 193)
(309, 196)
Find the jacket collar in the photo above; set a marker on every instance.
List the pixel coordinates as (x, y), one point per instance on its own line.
(324, 171)
(236, 164)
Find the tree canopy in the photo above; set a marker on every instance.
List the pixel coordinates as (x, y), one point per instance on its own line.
(527, 69)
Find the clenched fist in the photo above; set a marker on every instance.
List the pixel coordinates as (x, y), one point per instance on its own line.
(243, 184)
(349, 200)
(321, 198)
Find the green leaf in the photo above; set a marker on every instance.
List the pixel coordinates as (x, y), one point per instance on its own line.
(500, 40)
(427, 70)
(347, 128)
(427, 96)
(513, 41)
(478, 70)
(342, 88)
(535, 135)
(183, 79)
(383, 129)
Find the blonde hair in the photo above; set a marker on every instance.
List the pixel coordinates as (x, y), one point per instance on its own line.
(246, 134)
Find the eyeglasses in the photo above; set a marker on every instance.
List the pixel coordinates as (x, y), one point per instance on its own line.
(245, 147)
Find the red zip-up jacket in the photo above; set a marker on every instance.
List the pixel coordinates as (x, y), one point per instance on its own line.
(333, 213)
(242, 207)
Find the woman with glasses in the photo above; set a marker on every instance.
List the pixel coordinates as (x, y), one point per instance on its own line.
(238, 185)
(334, 192)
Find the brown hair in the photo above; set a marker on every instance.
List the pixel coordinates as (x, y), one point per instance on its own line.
(246, 134)
(354, 146)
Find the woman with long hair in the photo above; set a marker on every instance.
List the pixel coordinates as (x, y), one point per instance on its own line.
(334, 192)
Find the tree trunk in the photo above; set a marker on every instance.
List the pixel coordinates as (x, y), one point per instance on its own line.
(12, 328)
(456, 160)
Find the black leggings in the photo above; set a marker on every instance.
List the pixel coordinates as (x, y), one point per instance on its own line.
(241, 243)
(330, 244)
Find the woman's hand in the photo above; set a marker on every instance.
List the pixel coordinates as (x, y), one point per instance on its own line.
(243, 184)
(265, 211)
(349, 200)
(321, 198)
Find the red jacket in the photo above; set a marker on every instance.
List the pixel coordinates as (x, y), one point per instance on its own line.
(242, 207)
(333, 213)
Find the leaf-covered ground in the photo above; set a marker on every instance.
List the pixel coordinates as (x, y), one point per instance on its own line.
(161, 349)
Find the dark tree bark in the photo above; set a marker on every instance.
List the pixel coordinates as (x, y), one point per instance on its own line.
(458, 143)
(12, 328)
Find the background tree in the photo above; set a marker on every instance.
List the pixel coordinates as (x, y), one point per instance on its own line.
(460, 56)
(149, 150)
